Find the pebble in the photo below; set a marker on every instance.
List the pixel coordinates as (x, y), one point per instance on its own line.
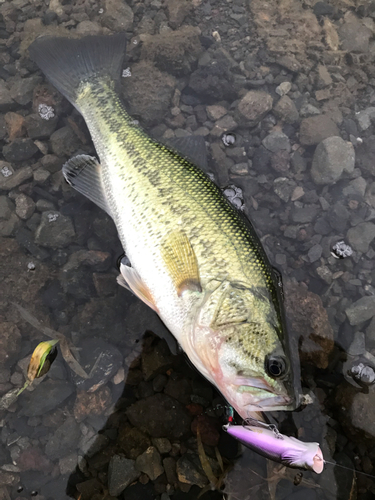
(284, 188)
(6, 101)
(35, 403)
(283, 88)
(177, 11)
(286, 110)
(157, 361)
(55, 230)
(40, 128)
(215, 112)
(63, 440)
(365, 117)
(121, 473)
(64, 142)
(315, 253)
(354, 36)
(150, 463)
(117, 16)
(162, 444)
(253, 107)
(276, 141)
(361, 310)
(25, 239)
(360, 236)
(188, 472)
(332, 157)
(20, 150)
(315, 129)
(25, 206)
(6, 207)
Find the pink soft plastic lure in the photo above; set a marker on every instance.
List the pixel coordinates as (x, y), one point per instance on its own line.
(289, 451)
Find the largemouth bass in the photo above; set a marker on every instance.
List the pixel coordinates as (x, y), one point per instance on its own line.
(194, 259)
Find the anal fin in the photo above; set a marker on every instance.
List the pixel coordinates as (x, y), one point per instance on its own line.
(84, 173)
(181, 262)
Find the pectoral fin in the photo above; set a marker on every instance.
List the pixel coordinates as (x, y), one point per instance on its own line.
(181, 262)
(130, 279)
(84, 173)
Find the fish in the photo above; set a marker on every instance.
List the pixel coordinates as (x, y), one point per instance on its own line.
(271, 444)
(194, 258)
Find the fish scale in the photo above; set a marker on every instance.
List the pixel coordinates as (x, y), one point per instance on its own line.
(194, 259)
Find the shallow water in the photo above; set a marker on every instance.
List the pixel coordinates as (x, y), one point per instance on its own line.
(190, 68)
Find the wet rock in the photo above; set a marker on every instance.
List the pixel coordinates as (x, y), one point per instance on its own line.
(276, 141)
(10, 226)
(132, 441)
(20, 150)
(105, 284)
(162, 444)
(286, 110)
(338, 217)
(174, 52)
(158, 360)
(310, 321)
(213, 81)
(290, 63)
(15, 125)
(64, 142)
(161, 416)
(118, 15)
(304, 214)
(55, 230)
(148, 92)
(150, 463)
(332, 157)
(178, 388)
(284, 188)
(39, 128)
(88, 404)
(25, 239)
(357, 409)
(362, 310)
(356, 187)
(36, 403)
(25, 206)
(253, 107)
(283, 88)
(315, 129)
(315, 253)
(99, 359)
(354, 35)
(21, 89)
(360, 236)
(63, 440)
(215, 112)
(370, 194)
(68, 463)
(34, 459)
(365, 155)
(121, 473)
(280, 161)
(189, 473)
(177, 11)
(7, 207)
(225, 124)
(365, 117)
(6, 101)
(10, 342)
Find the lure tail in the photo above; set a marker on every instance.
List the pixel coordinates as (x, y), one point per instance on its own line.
(69, 62)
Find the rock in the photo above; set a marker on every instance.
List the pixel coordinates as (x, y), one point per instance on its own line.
(64, 142)
(310, 322)
(88, 404)
(362, 310)
(162, 444)
(284, 188)
(25, 206)
(365, 155)
(225, 124)
(309, 110)
(68, 463)
(161, 416)
(148, 92)
(34, 459)
(39, 128)
(208, 428)
(20, 150)
(304, 214)
(189, 473)
(6, 207)
(356, 187)
(118, 15)
(280, 161)
(253, 107)
(21, 89)
(15, 125)
(276, 141)
(10, 178)
(360, 236)
(332, 157)
(177, 11)
(338, 217)
(55, 230)
(370, 194)
(174, 52)
(215, 112)
(357, 409)
(121, 473)
(283, 88)
(354, 35)
(156, 361)
(99, 358)
(25, 239)
(6, 101)
(290, 63)
(150, 463)
(315, 253)
(365, 117)
(132, 441)
(36, 403)
(10, 342)
(286, 110)
(315, 129)
(105, 284)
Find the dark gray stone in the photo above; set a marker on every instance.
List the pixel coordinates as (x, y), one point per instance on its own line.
(64, 439)
(315, 129)
(10, 178)
(64, 142)
(21, 89)
(150, 463)
(25, 206)
(161, 416)
(6, 101)
(158, 360)
(360, 236)
(332, 157)
(362, 310)
(188, 472)
(45, 397)
(286, 110)
(121, 473)
(55, 230)
(253, 107)
(117, 16)
(276, 141)
(38, 128)
(20, 150)
(25, 239)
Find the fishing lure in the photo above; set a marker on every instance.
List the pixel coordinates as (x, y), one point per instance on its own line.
(266, 440)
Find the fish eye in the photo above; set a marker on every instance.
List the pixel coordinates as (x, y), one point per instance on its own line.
(275, 366)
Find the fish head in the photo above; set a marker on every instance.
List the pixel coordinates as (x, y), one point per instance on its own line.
(241, 351)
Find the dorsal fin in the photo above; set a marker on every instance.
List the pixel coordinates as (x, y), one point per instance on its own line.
(192, 147)
(84, 173)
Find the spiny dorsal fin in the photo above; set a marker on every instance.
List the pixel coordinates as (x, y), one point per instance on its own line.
(181, 262)
(84, 173)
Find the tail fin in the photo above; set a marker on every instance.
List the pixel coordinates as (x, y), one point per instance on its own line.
(67, 62)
